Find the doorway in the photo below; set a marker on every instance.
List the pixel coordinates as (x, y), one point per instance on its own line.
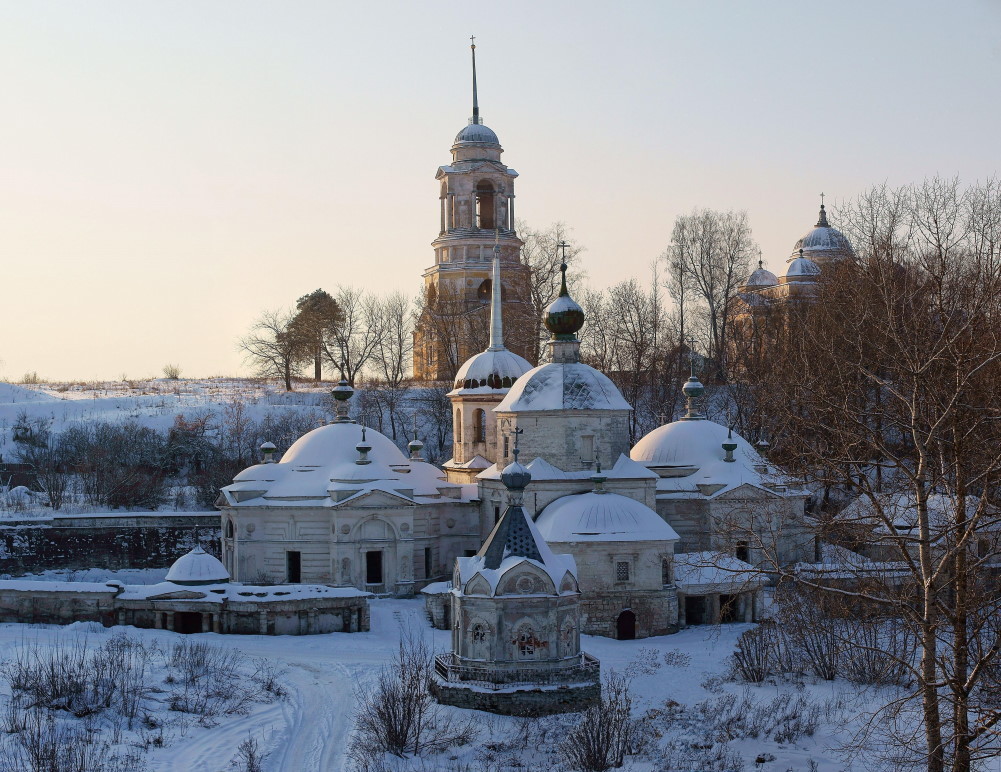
(293, 567)
(728, 608)
(373, 567)
(695, 610)
(625, 626)
(187, 622)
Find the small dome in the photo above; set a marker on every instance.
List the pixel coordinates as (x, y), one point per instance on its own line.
(690, 443)
(564, 317)
(761, 278)
(476, 133)
(562, 386)
(515, 476)
(802, 269)
(602, 517)
(491, 370)
(197, 567)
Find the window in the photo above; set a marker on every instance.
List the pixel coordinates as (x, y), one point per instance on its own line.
(587, 449)
(293, 567)
(428, 565)
(229, 529)
(621, 571)
(496, 514)
(484, 205)
(479, 426)
(526, 642)
(458, 426)
(506, 439)
(743, 552)
(666, 575)
(478, 634)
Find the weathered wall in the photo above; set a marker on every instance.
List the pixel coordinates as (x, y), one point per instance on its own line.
(520, 702)
(137, 540)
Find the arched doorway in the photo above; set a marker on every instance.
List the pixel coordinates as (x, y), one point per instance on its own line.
(625, 626)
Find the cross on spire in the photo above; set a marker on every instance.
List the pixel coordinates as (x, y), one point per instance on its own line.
(691, 355)
(821, 199)
(515, 452)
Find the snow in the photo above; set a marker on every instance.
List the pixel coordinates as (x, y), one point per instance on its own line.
(714, 572)
(540, 469)
(326, 673)
(489, 366)
(562, 386)
(197, 566)
(238, 593)
(602, 517)
(29, 585)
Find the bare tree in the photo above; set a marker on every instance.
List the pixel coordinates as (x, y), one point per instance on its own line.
(895, 368)
(708, 259)
(272, 350)
(357, 335)
(393, 356)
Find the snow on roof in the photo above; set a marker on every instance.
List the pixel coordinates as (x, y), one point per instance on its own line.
(602, 517)
(696, 572)
(437, 588)
(197, 567)
(34, 585)
(490, 372)
(900, 509)
(562, 386)
(238, 593)
(623, 469)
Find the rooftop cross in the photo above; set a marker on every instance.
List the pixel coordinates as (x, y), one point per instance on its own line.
(821, 199)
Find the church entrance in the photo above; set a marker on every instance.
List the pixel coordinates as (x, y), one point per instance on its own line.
(373, 568)
(187, 622)
(625, 626)
(695, 610)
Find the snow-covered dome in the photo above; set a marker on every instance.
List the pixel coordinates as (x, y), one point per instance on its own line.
(491, 371)
(335, 443)
(598, 516)
(562, 386)
(802, 269)
(197, 567)
(691, 443)
(761, 278)
(823, 243)
(477, 133)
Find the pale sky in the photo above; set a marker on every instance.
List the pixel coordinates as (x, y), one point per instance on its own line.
(168, 170)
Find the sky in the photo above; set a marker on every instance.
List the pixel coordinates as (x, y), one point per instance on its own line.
(169, 170)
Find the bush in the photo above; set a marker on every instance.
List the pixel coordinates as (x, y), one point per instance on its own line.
(606, 732)
(172, 372)
(753, 659)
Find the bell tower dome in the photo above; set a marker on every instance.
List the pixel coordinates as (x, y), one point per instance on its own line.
(476, 202)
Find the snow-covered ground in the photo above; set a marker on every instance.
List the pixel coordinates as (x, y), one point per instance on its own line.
(324, 673)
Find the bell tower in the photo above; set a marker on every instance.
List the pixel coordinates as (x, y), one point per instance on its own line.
(476, 196)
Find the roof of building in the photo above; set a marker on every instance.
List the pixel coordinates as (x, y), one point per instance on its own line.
(562, 386)
(823, 241)
(197, 567)
(802, 269)
(478, 134)
(706, 572)
(490, 372)
(762, 277)
(602, 516)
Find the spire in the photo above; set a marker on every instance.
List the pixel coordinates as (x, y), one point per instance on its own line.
(476, 104)
(496, 318)
(822, 220)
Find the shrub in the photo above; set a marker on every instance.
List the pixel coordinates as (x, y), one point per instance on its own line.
(172, 372)
(606, 732)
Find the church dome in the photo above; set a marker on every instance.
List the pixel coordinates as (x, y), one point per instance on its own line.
(802, 269)
(336, 443)
(823, 243)
(197, 567)
(491, 371)
(690, 443)
(602, 517)
(562, 386)
(476, 133)
(761, 278)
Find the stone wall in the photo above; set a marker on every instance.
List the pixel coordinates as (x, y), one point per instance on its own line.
(519, 702)
(112, 541)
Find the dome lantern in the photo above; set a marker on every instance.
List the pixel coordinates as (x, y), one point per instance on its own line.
(268, 451)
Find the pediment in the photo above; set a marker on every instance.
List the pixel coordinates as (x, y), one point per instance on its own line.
(747, 491)
(376, 499)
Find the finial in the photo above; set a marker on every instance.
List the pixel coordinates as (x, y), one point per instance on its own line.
(268, 451)
(761, 263)
(693, 388)
(801, 252)
(476, 104)
(822, 220)
(341, 393)
(562, 246)
(515, 452)
(415, 445)
(363, 448)
(598, 478)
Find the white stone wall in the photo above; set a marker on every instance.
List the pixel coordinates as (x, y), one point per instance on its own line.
(558, 436)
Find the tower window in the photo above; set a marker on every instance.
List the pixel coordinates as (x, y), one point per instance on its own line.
(484, 205)
(479, 426)
(458, 426)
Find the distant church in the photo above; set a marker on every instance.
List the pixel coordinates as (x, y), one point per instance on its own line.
(477, 213)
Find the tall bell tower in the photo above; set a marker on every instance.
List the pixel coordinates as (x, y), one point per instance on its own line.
(476, 193)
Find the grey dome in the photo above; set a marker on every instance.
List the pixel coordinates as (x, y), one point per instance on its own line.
(802, 269)
(761, 278)
(823, 243)
(477, 133)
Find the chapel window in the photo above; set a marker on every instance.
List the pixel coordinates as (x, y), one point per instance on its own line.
(458, 426)
(622, 571)
(479, 426)
(479, 633)
(526, 642)
(484, 205)
(229, 529)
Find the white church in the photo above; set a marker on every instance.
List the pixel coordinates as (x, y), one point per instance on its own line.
(680, 529)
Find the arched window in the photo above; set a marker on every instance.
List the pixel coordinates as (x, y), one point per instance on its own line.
(526, 641)
(458, 426)
(478, 633)
(479, 426)
(569, 640)
(229, 529)
(485, 205)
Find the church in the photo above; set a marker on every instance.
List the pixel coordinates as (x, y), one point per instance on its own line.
(680, 529)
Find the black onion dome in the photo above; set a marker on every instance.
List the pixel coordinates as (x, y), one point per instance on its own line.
(564, 317)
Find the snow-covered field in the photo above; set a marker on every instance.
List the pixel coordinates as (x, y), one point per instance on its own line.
(310, 729)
